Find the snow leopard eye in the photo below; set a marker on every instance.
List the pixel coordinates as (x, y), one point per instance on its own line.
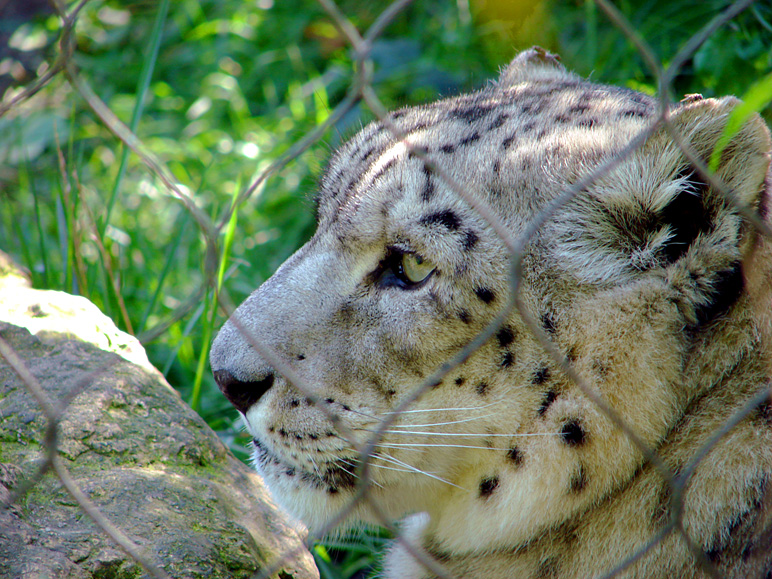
(414, 268)
(403, 269)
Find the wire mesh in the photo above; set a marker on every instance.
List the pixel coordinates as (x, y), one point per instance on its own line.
(362, 90)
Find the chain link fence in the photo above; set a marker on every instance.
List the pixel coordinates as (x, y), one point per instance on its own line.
(212, 231)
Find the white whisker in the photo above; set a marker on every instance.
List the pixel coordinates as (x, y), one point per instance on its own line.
(354, 465)
(365, 414)
(346, 470)
(450, 409)
(388, 467)
(398, 462)
(441, 423)
(418, 446)
(467, 434)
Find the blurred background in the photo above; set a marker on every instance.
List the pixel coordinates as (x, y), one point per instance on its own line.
(218, 90)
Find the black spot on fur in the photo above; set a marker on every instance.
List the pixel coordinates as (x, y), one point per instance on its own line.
(460, 381)
(563, 118)
(448, 148)
(505, 336)
(470, 139)
(471, 113)
(496, 166)
(446, 218)
(515, 455)
(463, 315)
(573, 433)
(727, 288)
(419, 126)
(485, 294)
(470, 239)
(541, 375)
(549, 398)
(579, 108)
(428, 191)
(487, 486)
(481, 388)
(734, 536)
(764, 411)
(587, 123)
(498, 121)
(548, 323)
(578, 481)
(637, 112)
(367, 154)
(508, 141)
(507, 360)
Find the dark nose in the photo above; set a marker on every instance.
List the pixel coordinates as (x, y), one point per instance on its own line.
(239, 393)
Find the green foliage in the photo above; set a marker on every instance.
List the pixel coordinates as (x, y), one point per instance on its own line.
(220, 89)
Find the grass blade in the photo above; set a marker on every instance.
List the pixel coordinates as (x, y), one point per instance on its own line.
(148, 65)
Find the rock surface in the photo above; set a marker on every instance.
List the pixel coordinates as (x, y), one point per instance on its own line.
(150, 464)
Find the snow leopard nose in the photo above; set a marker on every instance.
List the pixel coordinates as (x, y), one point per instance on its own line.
(242, 394)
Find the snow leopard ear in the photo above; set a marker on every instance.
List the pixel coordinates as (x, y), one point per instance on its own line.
(745, 158)
(684, 200)
(533, 65)
(708, 238)
(656, 213)
(658, 205)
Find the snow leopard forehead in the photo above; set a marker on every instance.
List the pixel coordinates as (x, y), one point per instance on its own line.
(501, 143)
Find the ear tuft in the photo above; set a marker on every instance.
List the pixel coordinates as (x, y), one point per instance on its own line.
(533, 65)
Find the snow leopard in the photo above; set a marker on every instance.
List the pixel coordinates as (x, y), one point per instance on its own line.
(533, 328)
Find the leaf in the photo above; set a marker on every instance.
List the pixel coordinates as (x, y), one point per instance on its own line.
(757, 97)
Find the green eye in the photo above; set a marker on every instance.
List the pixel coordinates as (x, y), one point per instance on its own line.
(415, 268)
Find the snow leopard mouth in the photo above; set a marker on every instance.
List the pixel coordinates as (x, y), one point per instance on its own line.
(329, 476)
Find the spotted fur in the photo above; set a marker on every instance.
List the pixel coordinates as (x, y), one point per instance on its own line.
(648, 282)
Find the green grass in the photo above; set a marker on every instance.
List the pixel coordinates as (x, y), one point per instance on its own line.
(219, 90)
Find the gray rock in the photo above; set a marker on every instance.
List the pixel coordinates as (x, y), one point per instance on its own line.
(151, 465)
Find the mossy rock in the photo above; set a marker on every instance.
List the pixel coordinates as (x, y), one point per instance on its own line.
(150, 464)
